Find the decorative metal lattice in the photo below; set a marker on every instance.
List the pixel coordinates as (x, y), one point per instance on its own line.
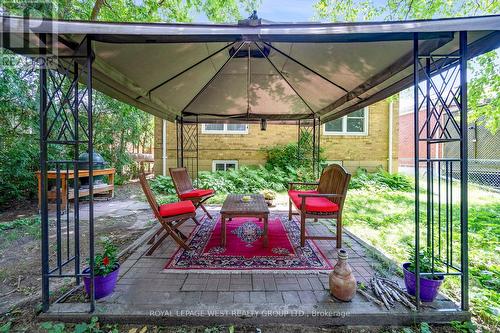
(440, 88)
(308, 141)
(187, 147)
(65, 128)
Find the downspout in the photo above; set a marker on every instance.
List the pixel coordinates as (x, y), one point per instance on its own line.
(164, 147)
(391, 108)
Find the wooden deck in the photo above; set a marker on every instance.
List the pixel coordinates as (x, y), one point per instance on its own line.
(147, 294)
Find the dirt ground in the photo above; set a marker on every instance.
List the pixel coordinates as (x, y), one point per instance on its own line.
(122, 219)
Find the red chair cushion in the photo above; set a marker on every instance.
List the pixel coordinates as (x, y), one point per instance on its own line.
(177, 208)
(313, 205)
(196, 194)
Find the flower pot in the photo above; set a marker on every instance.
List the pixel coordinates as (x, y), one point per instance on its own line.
(103, 285)
(428, 288)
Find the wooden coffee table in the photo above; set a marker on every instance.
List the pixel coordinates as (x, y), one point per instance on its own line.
(234, 207)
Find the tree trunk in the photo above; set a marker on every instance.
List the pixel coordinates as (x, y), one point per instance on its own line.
(97, 8)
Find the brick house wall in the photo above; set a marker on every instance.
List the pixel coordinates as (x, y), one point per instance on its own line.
(406, 151)
(354, 151)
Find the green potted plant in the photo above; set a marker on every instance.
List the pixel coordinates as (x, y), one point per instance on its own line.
(269, 196)
(429, 284)
(106, 269)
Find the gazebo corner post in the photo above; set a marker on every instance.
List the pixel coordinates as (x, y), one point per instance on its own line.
(416, 65)
(314, 148)
(44, 216)
(464, 226)
(76, 203)
(90, 148)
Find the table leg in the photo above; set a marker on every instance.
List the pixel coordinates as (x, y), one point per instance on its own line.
(266, 240)
(223, 231)
(64, 193)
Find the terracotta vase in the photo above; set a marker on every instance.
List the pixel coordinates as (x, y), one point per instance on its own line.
(342, 282)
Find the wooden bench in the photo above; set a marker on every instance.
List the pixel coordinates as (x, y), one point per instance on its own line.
(65, 176)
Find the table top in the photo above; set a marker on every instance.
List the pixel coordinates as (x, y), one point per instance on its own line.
(81, 172)
(234, 205)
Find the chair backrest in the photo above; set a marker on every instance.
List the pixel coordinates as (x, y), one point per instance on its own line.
(334, 180)
(149, 195)
(182, 181)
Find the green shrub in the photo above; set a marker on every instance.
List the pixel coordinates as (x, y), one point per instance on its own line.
(243, 180)
(380, 179)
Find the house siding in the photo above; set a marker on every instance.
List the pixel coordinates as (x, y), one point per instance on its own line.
(367, 151)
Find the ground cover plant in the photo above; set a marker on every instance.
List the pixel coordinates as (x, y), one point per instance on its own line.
(385, 219)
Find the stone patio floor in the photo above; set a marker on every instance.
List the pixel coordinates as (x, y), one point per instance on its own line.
(147, 294)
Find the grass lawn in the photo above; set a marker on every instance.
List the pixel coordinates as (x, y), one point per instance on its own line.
(384, 218)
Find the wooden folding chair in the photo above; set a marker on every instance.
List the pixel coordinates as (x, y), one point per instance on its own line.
(185, 190)
(171, 216)
(327, 201)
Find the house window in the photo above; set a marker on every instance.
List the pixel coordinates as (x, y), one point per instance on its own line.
(224, 165)
(355, 123)
(224, 129)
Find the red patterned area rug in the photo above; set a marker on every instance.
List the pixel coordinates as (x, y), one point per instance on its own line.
(244, 249)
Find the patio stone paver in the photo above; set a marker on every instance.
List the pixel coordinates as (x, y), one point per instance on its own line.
(274, 297)
(225, 297)
(291, 297)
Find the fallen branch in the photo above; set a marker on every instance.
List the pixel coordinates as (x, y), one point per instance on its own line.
(370, 297)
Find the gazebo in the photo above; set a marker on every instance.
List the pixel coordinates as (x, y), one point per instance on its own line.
(256, 71)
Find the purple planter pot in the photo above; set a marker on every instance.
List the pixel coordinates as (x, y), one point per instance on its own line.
(103, 285)
(428, 288)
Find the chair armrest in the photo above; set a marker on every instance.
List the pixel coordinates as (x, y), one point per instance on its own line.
(291, 184)
(320, 195)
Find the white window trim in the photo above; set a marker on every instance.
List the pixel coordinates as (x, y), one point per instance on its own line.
(224, 131)
(215, 162)
(344, 127)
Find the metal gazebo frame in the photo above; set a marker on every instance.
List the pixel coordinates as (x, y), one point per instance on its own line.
(79, 69)
(66, 119)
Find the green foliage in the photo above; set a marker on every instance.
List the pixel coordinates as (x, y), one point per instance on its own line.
(425, 261)
(425, 328)
(5, 328)
(117, 125)
(293, 155)
(106, 261)
(19, 228)
(92, 327)
(465, 327)
(385, 219)
(20, 223)
(381, 180)
(484, 91)
(51, 327)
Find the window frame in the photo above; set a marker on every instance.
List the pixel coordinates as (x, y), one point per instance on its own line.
(344, 126)
(224, 130)
(215, 162)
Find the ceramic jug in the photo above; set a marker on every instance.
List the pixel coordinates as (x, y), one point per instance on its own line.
(342, 282)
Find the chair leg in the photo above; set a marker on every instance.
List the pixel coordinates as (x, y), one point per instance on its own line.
(195, 220)
(205, 210)
(289, 210)
(153, 247)
(175, 236)
(302, 230)
(339, 231)
(157, 233)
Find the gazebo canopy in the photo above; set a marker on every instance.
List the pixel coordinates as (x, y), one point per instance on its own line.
(255, 70)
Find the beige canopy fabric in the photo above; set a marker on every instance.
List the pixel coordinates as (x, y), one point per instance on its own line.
(245, 73)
